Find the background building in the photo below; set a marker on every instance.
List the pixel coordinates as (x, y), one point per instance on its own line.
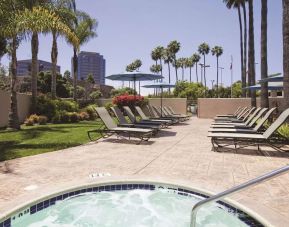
(24, 67)
(91, 63)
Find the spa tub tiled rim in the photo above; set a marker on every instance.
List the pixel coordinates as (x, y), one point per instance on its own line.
(132, 181)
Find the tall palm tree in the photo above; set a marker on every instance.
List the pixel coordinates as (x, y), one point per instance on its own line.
(285, 25)
(16, 21)
(61, 8)
(159, 52)
(217, 51)
(204, 49)
(190, 64)
(174, 47)
(264, 64)
(167, 57)
(196, 58)
(244, 78)
(251, 59)
(84, 28)
(182, 63)
(29, 4)
(237, 4)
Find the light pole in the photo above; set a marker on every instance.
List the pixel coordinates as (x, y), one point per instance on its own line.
(201, 72)
(221, 75)
(212, 81)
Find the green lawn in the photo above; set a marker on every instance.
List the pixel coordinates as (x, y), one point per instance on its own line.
(39, 139)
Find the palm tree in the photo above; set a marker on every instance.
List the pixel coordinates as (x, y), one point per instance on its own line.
(264, 64)
(167, 57)
(217, 51)
(204, 49)
(251, 59)
(28, 4)
(245, 47)
(286, 51)
(174, 47)
(16, 21)
(159, 52)
(84, 28)
(154, 56)
(182, 63)
(196, 58)
(61, 8)
(237, 4)
(189, 64)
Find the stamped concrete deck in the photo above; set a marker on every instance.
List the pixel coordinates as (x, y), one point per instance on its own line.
(182, 153)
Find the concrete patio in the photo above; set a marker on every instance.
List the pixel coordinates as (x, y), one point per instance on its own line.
(182, 154)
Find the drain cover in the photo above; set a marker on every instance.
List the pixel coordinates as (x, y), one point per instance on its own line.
(98, 175)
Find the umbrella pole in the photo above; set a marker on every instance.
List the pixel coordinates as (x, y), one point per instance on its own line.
(161, 102)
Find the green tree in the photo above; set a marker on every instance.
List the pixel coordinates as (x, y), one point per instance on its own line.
(155, 68)
(182, 63)
(285, 26)
(90, 79)
(196, 58)
(174, 47)
(264, 64)
(189, 64)
(168, 58)
(84, 28)
(189, 90)
(251, 59)
(217, 51)
(67, 16)
(18, 20)
(67, 74)
(204, 49)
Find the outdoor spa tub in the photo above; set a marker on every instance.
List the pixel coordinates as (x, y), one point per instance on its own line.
(129, 204)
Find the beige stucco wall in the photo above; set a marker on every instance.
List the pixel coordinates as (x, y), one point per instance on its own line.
(178, 104)
(210, 107)
(23, 104)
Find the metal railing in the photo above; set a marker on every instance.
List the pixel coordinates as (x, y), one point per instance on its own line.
(235, 189)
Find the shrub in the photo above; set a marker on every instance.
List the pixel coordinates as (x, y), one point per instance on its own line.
(83, 116)
(29, 122)
(108, 107)
(42, 120)
(64, 117)
(73, 117)
(284, 130)
(90, 110)
(46, 107)
(129, 100)
(65, 105)
(56, 118)
(95, 95)
(34, 118)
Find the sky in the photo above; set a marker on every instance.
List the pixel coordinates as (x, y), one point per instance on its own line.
(131, 29)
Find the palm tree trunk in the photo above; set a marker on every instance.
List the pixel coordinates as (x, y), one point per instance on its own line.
(13, 120)
(264, 64)
(34, 69)
(161, 68)
(169, 68)
(190, 74)
(251, 60)
(54, 54)
(183, 73)
(217, 87)
(197, 77)
(205, 80)
(177, 79)
(286, 51)
(242, 53)
(245, 45)
(75, 66)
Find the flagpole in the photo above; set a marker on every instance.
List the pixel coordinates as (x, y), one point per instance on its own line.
(231, 76)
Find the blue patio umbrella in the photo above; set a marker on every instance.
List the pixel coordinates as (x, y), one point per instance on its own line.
(161, 86)
(134, 76)
(273, 78)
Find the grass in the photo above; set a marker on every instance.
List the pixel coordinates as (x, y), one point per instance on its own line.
(32, 140)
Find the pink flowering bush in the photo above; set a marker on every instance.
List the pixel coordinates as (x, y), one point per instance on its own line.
(129, 100)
